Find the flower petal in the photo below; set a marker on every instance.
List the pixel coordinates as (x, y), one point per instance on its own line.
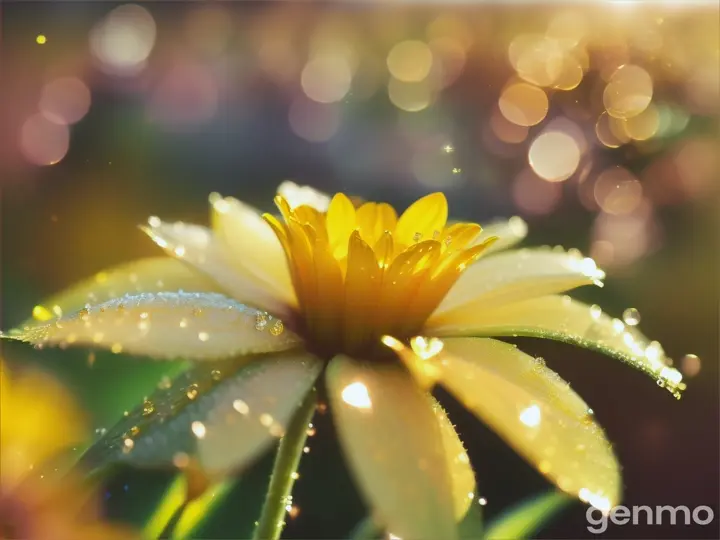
(199, 326)
(253, 245)
(263, 405)
(198, 247)
(153, 274)
(513, 276)
(536, 412)
(297, 195)
(563, 319)
(462, 477)
(424, 219)
(509, 232)
(226, 413)
(394, 446)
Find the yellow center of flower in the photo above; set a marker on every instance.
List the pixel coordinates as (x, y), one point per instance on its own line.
(361, 273)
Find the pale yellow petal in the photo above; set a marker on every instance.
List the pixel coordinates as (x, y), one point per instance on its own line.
(513, 276)
(198, 247)
(199, 326)
(394, 446)
(253, 244)
(153, 274)
(536, 413)
(224, 413)
(297, 195)
(509, 232)
(424, 219)
(564, 319)
(462, 476)
(256, 409)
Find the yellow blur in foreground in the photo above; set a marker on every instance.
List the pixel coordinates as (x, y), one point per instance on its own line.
(39, 420)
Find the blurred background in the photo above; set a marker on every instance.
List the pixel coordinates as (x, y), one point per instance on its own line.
(596, 122)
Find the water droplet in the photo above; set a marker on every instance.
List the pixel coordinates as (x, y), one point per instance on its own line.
(183, 322)
(198, 429)
(690, 365)
(595, 311)
(148, 407)
(216, 375)
(134, 431)
(192, 391)
(482, 501)
(417, 237)
(116, 348)
(277, 328)
(240, 406)
(203, 336)
(261, 321)
(128, 445)
(456, 170)
(631, 316)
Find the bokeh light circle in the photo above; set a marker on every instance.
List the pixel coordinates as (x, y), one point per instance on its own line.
(43, 142)
(123, 40)
(523, 104)
(629, 91)
(554, 156)
(326, 78)
(410, 61)
(65, 100)
(410, 97)
(617, 191)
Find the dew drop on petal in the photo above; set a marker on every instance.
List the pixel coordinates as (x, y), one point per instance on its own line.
(192, 391)
(240, 406)
(148, 407)
(277, 328)
(198, 429)
(631, 316)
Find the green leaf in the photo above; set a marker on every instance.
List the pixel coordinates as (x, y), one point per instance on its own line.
(525, 519)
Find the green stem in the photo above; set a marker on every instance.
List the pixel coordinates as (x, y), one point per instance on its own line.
(287, 459)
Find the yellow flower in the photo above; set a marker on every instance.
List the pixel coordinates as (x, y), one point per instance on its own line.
(385, 307)
(39, 421)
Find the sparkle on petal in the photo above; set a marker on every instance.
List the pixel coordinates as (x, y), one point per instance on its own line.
(531, 416)
(356, 395)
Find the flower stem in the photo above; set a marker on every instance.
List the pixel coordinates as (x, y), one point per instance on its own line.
(287, 459)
